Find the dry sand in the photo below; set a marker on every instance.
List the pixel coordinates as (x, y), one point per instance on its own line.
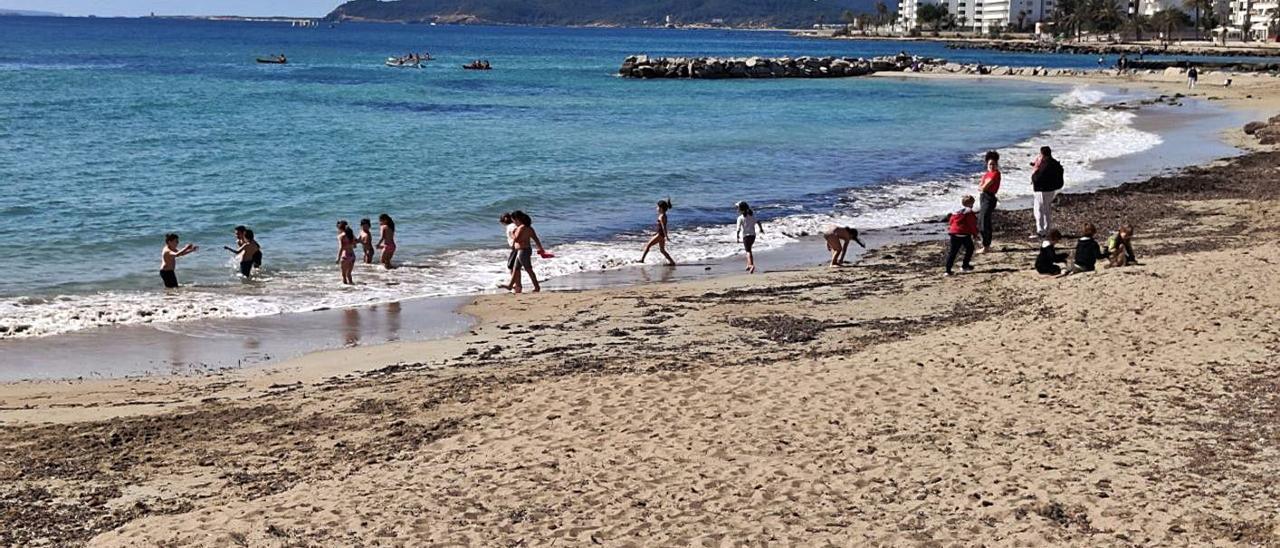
(874, 404)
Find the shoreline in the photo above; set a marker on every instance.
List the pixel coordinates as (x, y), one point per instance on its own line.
(915, 399)
(1193, 48)
(214, 346)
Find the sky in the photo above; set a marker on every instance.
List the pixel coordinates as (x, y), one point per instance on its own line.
(127, 8)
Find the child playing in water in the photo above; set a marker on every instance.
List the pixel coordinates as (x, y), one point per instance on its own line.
(509, 226)
(246, 252)
(386, 239)
(521, 239)
(169, 259)
(365, 238)
(962, 227)
(346, 251)
(1046, 261)
(838, 239)
(660, 239)
(747, 227)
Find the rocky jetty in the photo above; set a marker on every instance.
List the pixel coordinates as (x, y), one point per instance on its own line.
(643, 66)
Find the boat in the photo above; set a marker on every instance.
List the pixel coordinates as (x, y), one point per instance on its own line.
(477, 65)
(402, 63)
(277, 60)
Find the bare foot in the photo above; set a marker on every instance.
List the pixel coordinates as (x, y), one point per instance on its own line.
(537, 289)
(752, 269)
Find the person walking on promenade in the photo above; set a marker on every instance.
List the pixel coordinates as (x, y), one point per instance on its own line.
(987, 201)
(660, 239)
(1046, 181)
(962, 226)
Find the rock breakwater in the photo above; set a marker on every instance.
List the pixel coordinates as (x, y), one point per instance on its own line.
(643, 66)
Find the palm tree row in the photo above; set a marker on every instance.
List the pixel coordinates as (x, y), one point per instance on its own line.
(1105, 17)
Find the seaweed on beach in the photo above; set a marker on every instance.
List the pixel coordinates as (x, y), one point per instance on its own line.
(781, 328)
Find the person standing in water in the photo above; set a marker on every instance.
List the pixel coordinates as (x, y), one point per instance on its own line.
(169, 259)
(987, 201)
(365, 238)
(346, 251)
(660, 239)
(838, 239)
(524, 235)
(509, 226)
(747, 227)
(246, 252)
(386, 239)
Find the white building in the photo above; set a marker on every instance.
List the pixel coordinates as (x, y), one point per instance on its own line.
(1151, 7)
(908, 11)
(1013, 15)
(1262, 17)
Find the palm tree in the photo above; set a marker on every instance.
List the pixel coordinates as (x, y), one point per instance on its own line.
(1167, 20)
(849, 19)
(1104, 16)
(963, 19)
(1022, 19)
(882, 12)
(1197, 7)
(1071, 17)
(1137, 24)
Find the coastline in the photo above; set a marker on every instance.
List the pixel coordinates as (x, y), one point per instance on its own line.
(204, 347)
(818, 404)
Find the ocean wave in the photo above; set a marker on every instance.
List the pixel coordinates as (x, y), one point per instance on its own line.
(1087, 135)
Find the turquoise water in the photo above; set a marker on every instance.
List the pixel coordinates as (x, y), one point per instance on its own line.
(114, 132)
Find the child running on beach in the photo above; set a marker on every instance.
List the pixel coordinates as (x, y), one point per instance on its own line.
(346, 251)
(660, 239)
(246, 252)
(747, 227)
(838, 239)
(365, 238)
(521, 239)
(169, 259)
(1087, 252)
(1046, 261)
(962, 227)
(386, 239)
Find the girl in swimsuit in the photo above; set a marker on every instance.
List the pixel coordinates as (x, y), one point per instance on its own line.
(366, 240)
(386, 239)
(346, 251)
(660, 239)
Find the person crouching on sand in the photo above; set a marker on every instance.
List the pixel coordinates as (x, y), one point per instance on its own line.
(838, 239)
(962, 227)
(521, 239)
(169, 259)
(346, 251)
(747, 227)
(1046, 261)
(660, 239)
(365, 238)
(386, 239)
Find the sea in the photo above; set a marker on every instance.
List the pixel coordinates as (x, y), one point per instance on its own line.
(114, 132)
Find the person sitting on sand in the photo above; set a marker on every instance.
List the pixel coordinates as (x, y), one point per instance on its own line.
(1048, 259)
(169, 259)
(1120, 247)
(962, 227)
(346, 252)
(246, 252)
(365, 239)
(386, 239)
(524, 234)
(1087, 252)
(838, 238)
(660, 239)
(747, 227)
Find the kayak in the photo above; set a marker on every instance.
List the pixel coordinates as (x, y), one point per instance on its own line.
(272, 61)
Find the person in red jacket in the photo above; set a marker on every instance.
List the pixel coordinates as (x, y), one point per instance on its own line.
(962, 227)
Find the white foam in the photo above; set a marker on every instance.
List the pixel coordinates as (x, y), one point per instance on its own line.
(1087, 135)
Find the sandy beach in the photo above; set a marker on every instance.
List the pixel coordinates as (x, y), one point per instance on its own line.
(876, 404)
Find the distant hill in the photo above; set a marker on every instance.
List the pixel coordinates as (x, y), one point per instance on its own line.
(737, 13)
(8, 12)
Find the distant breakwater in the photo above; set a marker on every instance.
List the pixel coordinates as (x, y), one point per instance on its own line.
(643, 66)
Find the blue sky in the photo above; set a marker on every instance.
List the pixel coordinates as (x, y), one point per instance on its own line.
(176, 7)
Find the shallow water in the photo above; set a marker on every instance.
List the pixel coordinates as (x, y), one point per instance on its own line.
(114, 132)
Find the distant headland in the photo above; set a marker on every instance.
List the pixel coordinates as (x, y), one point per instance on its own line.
(5, 12)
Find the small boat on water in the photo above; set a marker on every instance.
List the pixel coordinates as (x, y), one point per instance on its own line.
(477, 65)
(397, 62)
(273, 60)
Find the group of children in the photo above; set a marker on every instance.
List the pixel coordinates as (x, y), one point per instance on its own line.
(348, 239)
(520, 237)
(247, 251)
(747, 228)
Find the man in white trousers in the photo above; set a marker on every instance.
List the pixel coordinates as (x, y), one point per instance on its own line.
(1046, 181)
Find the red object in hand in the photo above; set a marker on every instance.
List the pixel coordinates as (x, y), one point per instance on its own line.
(543, 253)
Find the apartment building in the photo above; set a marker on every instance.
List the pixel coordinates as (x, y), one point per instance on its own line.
(1261, 16)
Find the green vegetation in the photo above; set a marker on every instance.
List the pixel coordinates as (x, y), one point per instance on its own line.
(746, 13)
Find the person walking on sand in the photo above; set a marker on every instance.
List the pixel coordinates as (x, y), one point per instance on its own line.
(660, 239)
(365, 239)
(346, 251)
(169, 259)
(509, 225)
(1046, 181)
(386, 239)
(962, 226)
(987, 189)
(747, 227)
(521, 239)
(246, 252)
(838, 238)
(1192, 76)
